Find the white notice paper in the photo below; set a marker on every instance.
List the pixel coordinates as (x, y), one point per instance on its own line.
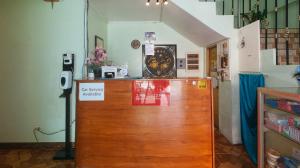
(149, 47)
(91, 92)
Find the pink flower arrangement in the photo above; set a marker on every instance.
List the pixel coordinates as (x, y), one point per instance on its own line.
(98, 57)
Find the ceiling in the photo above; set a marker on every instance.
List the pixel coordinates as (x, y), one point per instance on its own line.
(172, 15)
(126, 10)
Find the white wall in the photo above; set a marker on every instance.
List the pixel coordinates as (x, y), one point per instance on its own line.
(33, 38)
(206, 12)
(249, 56)
(277, 75)
(230, 124)
(120, 35)
(229, 107)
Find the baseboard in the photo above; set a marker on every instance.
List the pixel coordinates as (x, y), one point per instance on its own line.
(50, 145)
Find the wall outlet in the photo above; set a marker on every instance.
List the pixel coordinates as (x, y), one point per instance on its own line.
(181, 63)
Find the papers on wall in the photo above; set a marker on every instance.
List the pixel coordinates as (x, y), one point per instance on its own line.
(149, 49)
(150, 38)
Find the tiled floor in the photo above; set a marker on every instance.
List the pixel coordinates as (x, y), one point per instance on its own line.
(227, 156)
(31, 158)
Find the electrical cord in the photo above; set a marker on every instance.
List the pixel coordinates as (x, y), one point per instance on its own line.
(39, 130)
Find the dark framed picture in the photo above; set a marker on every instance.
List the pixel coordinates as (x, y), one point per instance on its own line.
(162, 64)
(99, 42)
(224, 62)
(192, 60)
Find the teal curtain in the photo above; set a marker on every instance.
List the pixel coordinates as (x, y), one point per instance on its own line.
(248, 108)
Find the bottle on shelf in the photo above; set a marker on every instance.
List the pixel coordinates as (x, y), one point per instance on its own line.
(85, 68)
(90, 71)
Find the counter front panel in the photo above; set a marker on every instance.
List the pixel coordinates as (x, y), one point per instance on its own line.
(115, 133)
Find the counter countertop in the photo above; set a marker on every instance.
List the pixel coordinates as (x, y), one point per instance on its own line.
(138, 78)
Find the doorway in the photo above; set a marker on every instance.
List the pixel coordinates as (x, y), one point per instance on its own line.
(212, 71)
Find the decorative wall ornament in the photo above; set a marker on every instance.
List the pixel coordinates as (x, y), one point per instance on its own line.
(192, 61)
(223, 60)
(162, 64)
(99, 42)
(135, 44)
(243, 43)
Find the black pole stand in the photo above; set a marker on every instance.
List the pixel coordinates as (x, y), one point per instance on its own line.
(68, 152)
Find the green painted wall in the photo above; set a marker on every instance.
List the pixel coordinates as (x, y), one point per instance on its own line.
(293, 11)
(97, 25)
(33, 39)
(120, 35)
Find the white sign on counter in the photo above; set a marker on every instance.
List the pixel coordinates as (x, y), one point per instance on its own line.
(91, 92)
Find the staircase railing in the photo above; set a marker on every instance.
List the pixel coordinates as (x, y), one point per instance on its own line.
(281, 15)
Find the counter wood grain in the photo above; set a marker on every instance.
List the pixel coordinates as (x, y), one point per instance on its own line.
(115, 134)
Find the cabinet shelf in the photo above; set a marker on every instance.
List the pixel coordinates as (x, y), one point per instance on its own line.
(281, 106)
(282, 110)
(281, 134)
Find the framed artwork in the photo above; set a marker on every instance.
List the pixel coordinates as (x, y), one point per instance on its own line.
(99, 42)
(162, 64)
(192, 60)
(223, 60)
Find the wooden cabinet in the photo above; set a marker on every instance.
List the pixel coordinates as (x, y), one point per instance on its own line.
(278, 126)
(115, 133)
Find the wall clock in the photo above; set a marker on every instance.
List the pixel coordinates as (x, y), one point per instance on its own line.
(135, 44)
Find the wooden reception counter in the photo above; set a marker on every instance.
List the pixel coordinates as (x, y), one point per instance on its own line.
(144, 124)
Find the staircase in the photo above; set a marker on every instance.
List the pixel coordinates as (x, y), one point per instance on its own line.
(206, 12)
(294, 50)
(198, 21)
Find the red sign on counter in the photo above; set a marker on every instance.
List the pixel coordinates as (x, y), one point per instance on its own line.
(151, 93)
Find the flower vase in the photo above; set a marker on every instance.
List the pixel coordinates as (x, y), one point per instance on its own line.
(97, 72)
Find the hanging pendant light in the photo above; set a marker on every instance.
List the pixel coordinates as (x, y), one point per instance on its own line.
(52, 2)
(158, 2)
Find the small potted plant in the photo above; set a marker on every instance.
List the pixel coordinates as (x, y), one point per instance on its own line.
(97, 60)
(254, 15)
